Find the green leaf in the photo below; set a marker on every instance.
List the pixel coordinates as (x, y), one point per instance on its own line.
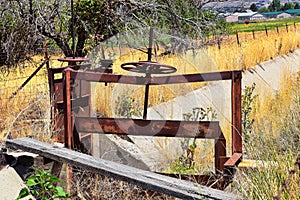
(31, 182)
(54, 179)
(34, 193)
(61, 193)
(23, 193)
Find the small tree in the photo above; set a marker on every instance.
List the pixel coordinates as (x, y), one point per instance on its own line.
(263, 9)
(253, 7)
(34, 20)
(288, 6)
(275, 5)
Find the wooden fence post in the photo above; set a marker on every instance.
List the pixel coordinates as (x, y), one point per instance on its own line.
(286, 27)
(253, 34)
(266, 30)
(219, 42)
(237, 37)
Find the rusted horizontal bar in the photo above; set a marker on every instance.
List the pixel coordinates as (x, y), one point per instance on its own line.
(125, 79)
(141, 127)
(234, 160)
(74, 67)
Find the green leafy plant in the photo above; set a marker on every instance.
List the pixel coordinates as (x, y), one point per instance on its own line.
(201, 114)
(185, 164)
(43, 185)
(126, 107)
(248, 98)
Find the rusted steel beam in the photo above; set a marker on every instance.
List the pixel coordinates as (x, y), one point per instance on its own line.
(176, 79)
(234, 160)
(230, 166)
(220, 152)
(68, 125)
(140, 127)
(236, 109)
(74, 67)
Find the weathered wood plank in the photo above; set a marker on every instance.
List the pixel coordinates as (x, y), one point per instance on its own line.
(148, 180)
(141, 127)
(56, 168)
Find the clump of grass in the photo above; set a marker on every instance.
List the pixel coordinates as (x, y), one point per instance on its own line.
(275, 147)
(88, 185)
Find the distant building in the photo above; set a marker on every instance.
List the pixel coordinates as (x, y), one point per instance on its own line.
(271, 15)
(231, 18)
(293, 12)
(284, 15)
(257, 17)
(253, 16)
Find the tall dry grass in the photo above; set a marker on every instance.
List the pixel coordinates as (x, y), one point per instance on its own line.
(252, 51)
(28, 111)
(274, 145)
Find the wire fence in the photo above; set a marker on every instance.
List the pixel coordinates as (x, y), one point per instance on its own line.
(24, 101)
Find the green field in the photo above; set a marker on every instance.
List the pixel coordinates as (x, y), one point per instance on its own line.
(260, 26)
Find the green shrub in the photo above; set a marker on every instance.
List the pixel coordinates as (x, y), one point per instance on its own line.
(42, 185)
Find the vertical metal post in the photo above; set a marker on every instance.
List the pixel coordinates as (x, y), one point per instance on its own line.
(220, 152)
(146, 101)
(67, 109)
(68, 119)
(236, 108)
(148, 75)
(150, 44)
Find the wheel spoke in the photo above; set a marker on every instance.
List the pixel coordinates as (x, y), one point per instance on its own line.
(148, 67)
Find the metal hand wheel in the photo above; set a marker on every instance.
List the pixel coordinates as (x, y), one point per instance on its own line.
(148, 67)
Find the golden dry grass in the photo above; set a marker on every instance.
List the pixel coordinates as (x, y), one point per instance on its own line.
(252, 51)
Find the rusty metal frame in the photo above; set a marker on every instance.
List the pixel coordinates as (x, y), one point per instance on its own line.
(223, 164)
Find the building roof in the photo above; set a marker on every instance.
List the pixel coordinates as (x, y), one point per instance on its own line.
(272, 13)
(245, 14)
(293, 11)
